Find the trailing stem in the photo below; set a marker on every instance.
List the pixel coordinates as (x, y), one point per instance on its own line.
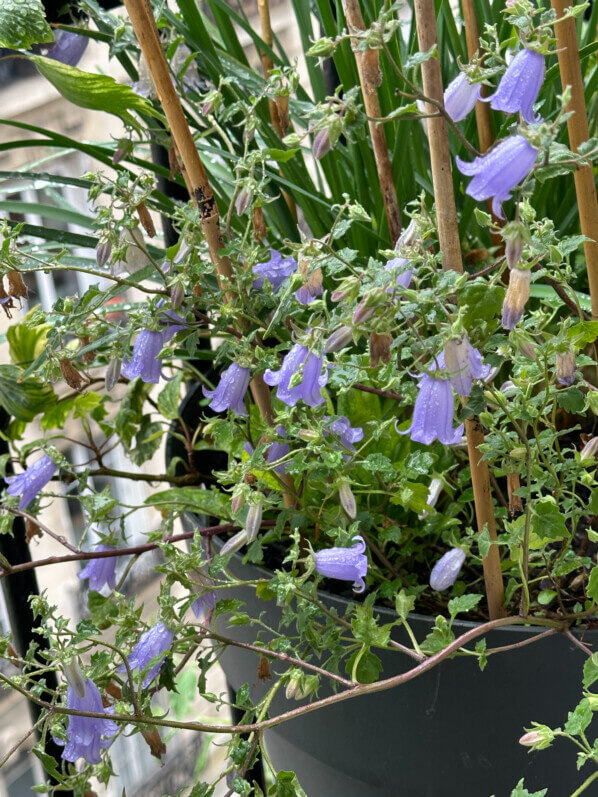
(450, 246)
(577, 126)
(370, 77)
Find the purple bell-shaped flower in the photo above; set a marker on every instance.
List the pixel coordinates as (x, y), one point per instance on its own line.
(519, 86)
(447, 568)
(348, 435)
(153, 643)
(460, 97)
(85, 735)
(299, 359)
(276, 451)
(145, 362)
(68, 47)
(31, 481)
(230, 393)
(276, 270)
(433, 411)
(496, 173)
(400, 265)
(345, 564)
(101, 571)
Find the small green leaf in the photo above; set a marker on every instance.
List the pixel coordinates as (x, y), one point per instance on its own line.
(579, 719)
(404, 604)
(96, 92)
(103, 611)
(26, 399)
(521, 791)
(592, 588)
(368, 668)
(465, 603)
(168, 399)
(546, 596)
(286, 785)
(281, 155)
(571, 400)
(547, 520)
(590, 671)
(23, 23)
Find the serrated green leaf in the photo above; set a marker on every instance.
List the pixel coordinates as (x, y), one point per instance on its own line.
(96, 92)
(404, 604)
(521, 791)
(368, 667)
(23, 23)
(571, 400)
(590, 671)
(194, 499)
(592, 588)
(547, 520)
(579, 719)
(103, 611)
(464, 603)
(169, 397)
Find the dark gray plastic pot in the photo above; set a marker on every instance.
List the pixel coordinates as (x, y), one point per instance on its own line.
(451, 732)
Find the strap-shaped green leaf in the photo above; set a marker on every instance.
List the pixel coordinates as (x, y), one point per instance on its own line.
(97, 92)
(23, 23)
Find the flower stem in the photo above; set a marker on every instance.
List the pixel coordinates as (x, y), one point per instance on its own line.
(367, 67)
(450, 245)
(577, 126)
(585, 785)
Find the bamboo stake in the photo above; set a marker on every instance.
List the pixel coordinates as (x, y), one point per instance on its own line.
(194, 173)
(577, 126)
(440, 156)
(482, 109)
(369, 78)
(448, 233)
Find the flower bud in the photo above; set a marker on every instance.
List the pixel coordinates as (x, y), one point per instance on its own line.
(254, 520)
(145, 217)
(434, 491)
(322, 144)
(112, 373)
(526, 348)
(409, 235)
(363, 312)
(590, 449)
(70, 374)
(243, 201)
(447, 568)
(123, 148)
(16, 287)
(177, 295)
(347, 500)
(539, 738)
(516, 298)
(565, 367)
(235, 543)
(379, 349)
(340, 338)
(308, 435)
(74, 676)
(530, 739)
(237, 503)
(299, 685)
(103, 251)
(339, 295)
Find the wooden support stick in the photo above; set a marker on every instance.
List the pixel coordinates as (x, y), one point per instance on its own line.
(448, 234)
(368, 69)
(577, 126)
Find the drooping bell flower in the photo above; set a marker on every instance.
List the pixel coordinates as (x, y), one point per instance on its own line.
(519, 86)
(101, 571)
(400, 265)
(516, 297)
(276, 451)
(496, 173)
(31, 481)
(433, 411)
(275, 270)
(434, 490)
(348, 435)
(204, 603)
(460, 97)
(312, 286)
(340, 338)
(565, 367)
(345, 564)
(86, 735)
(464, 363)
(230, 393)
(144, 361)
(447, 568)
(153, 643)
(299, 360)
(68, 48)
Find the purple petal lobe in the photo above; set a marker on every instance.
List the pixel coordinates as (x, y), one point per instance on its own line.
(345, 564)
(85, 734)
(31, 481)
(520, 84)
(230, 393)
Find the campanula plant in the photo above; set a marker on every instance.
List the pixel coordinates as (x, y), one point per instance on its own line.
(326, 347)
